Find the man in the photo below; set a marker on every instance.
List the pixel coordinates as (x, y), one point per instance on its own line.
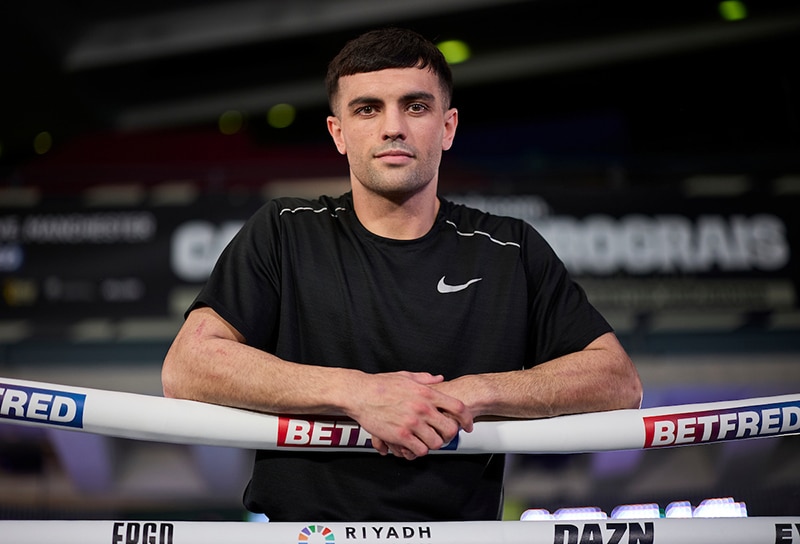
(396, 308)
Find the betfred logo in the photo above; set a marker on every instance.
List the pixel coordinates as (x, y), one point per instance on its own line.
(720, 425)
(41, 405)
(328, 433)
(302, 433)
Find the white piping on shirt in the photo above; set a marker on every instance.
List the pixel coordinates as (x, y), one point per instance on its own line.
(489, 236)
(466, 234)
(309, 209)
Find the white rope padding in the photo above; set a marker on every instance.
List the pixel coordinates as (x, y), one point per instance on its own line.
(146, 417)
(758, 530)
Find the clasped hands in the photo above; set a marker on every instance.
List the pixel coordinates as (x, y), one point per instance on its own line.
(407, 414)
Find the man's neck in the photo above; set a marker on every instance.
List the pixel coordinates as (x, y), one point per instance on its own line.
(400, 218)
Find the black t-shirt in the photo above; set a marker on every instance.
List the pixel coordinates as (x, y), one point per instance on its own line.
(306, 281)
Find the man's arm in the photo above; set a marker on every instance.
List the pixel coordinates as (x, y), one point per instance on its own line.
(209, 362)
(598, 378)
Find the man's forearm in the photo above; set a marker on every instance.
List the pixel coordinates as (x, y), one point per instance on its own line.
(598, 378)
(208, 362)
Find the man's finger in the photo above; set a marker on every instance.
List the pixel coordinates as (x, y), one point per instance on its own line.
(456, 410)
(423, 378)
(380, 446)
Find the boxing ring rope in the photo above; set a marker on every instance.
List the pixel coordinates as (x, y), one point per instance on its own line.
(761, 530)
(145, 417)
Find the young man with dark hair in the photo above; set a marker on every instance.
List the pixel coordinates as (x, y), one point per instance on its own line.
(389, 305)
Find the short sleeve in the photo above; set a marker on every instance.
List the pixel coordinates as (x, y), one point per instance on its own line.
(561, 318)
(243, 287)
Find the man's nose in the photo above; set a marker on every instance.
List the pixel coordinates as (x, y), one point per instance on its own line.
(394, 126)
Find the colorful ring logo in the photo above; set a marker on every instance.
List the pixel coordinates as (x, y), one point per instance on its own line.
(306, 535)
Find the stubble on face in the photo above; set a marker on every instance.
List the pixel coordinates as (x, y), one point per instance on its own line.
(393, 152)
(396, 181)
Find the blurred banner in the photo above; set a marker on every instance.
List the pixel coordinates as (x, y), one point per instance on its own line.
(61, 260)
(654, 252)
(65, 261)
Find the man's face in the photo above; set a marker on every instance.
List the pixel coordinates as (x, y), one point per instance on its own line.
(393, 126)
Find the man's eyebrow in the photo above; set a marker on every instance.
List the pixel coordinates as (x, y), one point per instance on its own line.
(419, 95)
(410, 97)
(364, 100)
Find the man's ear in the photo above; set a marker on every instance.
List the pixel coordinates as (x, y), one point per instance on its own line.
(450, 124)
(335, 130)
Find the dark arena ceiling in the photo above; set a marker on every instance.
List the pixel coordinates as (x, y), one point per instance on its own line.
(694, 78)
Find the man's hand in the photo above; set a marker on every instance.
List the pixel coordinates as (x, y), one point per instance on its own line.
(404, 415)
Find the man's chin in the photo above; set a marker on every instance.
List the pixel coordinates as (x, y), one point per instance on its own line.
(400, 194)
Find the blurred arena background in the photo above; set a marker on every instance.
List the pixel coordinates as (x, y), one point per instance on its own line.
(655, 145)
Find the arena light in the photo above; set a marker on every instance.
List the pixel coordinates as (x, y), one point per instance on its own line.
(720, 508)
(42, 142)
(708, 508)
(636, 511)
(583, 513)
(454, 51)
(281, 115)
(230, 122)
(253, 517)
(733, 10)
(679, 509)
(536, 514)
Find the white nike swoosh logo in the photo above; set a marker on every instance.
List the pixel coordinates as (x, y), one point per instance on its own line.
(442, 287)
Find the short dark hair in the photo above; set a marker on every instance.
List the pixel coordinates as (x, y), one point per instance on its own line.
(388, 48)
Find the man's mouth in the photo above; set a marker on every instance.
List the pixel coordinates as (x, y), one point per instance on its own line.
(394, 151)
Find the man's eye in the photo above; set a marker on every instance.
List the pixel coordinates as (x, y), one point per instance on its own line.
(366, 110)
(417, 108)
